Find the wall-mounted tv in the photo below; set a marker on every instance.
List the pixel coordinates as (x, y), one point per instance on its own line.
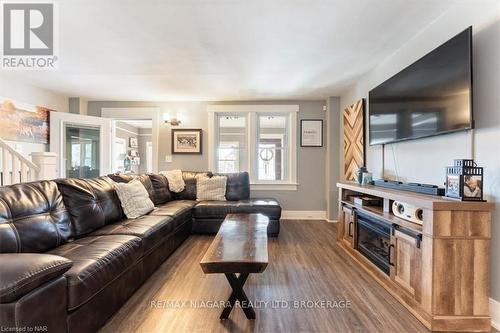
(432, 96)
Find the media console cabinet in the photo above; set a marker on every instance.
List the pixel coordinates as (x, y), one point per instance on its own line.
(438, 270)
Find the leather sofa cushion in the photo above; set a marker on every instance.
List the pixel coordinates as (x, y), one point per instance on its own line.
(219, 209)
(125, 178)
(237, 186)
(189, 192)
(33, 218)
(161, 193)
(92, 203)
(97, 260)
(174, 208)
(152, 230)
(23, 272)
(179, 210)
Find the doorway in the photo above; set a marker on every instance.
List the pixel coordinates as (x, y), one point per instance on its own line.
(139, 127)
(132, 146)
(82, 144)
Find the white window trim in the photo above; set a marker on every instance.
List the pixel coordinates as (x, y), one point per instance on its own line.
(251, 111)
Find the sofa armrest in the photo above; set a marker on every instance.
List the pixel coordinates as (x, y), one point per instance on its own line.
(21, 273)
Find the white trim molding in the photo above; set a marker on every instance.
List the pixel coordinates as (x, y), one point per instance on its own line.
(211, 141)
(495, 313)
(274, 186)
(253, 108)
(303, 215)
(132, 132)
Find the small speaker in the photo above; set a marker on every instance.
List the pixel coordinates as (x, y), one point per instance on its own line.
(408, 212)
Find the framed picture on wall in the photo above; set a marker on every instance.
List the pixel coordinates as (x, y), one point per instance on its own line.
(187, 141)
(23, 122)
(311, 133)
(133, 142)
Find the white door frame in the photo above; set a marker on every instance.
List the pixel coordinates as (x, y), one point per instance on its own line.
(152, 113)
(58, 120)
(149, 168)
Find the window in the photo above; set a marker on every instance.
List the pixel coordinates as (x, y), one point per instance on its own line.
(231, 142)
(257, 139)
(272, 147)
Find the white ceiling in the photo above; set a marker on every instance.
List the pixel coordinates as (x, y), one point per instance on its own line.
(225, 49)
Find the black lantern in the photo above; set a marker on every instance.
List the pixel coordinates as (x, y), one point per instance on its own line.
(464, 181)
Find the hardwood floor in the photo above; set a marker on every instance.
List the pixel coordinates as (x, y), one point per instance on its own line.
(304, 265)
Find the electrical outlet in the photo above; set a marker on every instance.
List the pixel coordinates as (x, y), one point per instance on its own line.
(168, 158)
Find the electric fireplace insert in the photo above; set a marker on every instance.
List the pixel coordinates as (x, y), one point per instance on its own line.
(374, 240)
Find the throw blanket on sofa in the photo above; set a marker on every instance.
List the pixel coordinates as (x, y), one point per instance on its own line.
(175, 181)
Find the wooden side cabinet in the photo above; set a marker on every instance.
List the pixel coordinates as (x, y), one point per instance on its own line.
(347, 220)
(406, 261)
(439, 270)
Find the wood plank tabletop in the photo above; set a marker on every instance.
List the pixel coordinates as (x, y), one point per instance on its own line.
(240, 246)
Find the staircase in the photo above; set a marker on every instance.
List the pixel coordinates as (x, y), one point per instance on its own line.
(14, 167)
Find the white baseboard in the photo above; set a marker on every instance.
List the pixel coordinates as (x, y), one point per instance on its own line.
(303, 215)
(332, 221)
(495, 313)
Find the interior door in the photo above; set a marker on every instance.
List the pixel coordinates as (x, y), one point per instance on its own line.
(82, 144)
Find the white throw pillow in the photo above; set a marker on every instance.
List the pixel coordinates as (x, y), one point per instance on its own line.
(175, 181)
(134, 199)
(211, 188)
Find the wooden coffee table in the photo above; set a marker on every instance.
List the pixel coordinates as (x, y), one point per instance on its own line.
(240, 247)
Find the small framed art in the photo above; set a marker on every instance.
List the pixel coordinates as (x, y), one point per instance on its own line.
(311, 133)
(187, 141)
(132, 142)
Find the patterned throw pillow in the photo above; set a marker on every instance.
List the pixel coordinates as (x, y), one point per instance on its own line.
(134, 199)
(211, 188)
(175, 181)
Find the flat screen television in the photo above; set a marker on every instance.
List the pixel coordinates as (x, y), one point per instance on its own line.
(430, 97)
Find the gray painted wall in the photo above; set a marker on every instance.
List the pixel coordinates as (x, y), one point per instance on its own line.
(424, 160)
(311, 161)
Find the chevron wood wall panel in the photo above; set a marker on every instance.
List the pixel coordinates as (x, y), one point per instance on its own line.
(354, 138)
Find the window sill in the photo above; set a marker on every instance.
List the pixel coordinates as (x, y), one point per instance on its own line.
(274, 186)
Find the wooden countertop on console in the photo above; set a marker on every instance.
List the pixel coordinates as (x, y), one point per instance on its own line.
(418, 199)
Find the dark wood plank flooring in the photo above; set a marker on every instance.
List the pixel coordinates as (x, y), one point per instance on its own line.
(304, 265)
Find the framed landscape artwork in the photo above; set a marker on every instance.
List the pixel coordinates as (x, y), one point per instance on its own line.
(187, 141)
(23, 122)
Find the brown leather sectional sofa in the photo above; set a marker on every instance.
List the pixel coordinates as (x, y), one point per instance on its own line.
(69, 258)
